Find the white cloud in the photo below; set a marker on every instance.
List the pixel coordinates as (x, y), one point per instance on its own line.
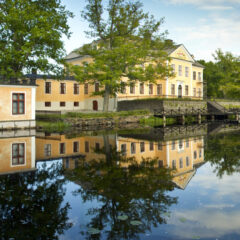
(216, 8)
(213, 5)
(208, 35)
(205, 223)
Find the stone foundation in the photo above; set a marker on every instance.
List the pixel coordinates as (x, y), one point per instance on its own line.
(160, 104)
(102, 122)
(12, 125)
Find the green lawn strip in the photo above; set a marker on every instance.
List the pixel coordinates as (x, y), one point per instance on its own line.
(54, 117)
(53, 126)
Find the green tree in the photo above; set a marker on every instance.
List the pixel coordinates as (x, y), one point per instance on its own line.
(222, 75)
(30, 35)
(129, 47)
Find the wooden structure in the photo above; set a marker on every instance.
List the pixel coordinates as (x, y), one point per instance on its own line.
(212, 112)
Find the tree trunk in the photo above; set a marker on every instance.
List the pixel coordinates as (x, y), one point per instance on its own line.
(106, 98)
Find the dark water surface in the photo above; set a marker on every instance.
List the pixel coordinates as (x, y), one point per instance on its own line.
(176, 183)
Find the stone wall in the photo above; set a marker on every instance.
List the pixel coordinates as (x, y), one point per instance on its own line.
(95, 123)
(158, 104)
(229, 104)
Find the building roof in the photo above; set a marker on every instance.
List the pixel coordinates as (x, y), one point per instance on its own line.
(197, 64)
(72, 55)
(172, 49)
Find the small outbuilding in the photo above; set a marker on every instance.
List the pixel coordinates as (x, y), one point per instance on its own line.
(17, 104)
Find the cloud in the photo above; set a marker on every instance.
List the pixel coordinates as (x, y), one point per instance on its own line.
(205, 222)
(209, 34)
(213, 5)
(216, 8)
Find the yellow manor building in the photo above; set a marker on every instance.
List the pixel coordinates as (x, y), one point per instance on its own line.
(69, 95)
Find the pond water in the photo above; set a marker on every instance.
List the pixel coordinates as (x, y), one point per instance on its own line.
(172, 183)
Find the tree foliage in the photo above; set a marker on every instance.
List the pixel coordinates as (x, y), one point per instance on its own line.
(30, 35)
(32, 204)
(129, 47)
(222, 75)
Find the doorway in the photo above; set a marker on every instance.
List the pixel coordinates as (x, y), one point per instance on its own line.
(95, 105)
(180, 91)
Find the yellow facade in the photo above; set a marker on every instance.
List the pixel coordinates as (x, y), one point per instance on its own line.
(17, 106)
(6, 102)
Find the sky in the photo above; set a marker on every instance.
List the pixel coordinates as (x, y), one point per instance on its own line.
(201, 25)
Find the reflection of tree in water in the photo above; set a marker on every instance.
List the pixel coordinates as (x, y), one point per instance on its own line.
(137, 190)
(223, 152)
(31, 204)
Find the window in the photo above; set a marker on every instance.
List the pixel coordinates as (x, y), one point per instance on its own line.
(194, 75)
(75, 147)
(48, 87)
(97, 146)
(159, 89)
(18, 154)
(86, 146)
(47, 150)
(96, 87)
(187, 143)
(181, 163)
(62, 104)
(18, 103)
(76, 104)
(67, 163)
(173, 68)
(186, 90)
(132, 89)
(187, 161)
(142, 147)
(75, 88)
(47, 104)
(160, 163)
(76, 163)
(151, 146)
(194, 92)
(150, 89)
(124, 149)
(173, 89)
(195, 155)
(62, 148)
(159, 145)
(200, 153)
(62, 88)
(199, 76)
(174, 164)
(86, 88)
(180, 144)
(180, 70)
(173, 145)
(133, 148)
(141, 88)
(199, 92)
(186, 71)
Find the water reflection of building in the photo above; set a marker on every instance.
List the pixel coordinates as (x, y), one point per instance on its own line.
(183, 155)
(71, 150)
(17, 151)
